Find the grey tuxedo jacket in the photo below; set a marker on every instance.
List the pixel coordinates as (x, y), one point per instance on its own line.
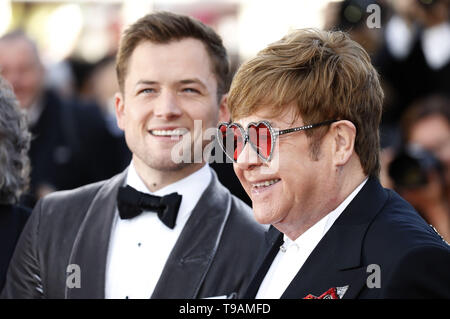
(216, 254)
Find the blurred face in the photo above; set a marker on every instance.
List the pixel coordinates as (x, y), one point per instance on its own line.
(433, 133)
(20, 66)
(167, 87)
(288, 190)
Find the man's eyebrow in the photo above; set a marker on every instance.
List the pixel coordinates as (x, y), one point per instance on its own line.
(194, 80)
(146, 82)
(186, 81)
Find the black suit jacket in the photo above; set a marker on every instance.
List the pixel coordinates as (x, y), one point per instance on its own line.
(377, 228)
(12, 221)
(216, 252)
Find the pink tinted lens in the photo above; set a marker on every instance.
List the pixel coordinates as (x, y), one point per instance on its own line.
(238, 141)
(231, 140)
(259, 136)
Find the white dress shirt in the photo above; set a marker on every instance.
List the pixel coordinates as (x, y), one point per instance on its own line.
(293, 254)
(435, 41)
(436, 45)
(139, 247)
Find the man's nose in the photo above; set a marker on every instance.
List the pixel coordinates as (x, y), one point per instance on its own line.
(248, 158)
(167, 106)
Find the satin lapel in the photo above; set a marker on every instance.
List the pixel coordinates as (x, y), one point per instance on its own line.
(274, 239)
(91, 245)
(336, 260)
(194, 250)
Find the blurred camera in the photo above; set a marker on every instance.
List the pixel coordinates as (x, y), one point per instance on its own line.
(427, 3)
(411, 167)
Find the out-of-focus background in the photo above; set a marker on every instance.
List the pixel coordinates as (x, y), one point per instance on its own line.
(408, 40)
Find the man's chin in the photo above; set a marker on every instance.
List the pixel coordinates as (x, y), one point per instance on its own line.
(167, 165)
(262, 215)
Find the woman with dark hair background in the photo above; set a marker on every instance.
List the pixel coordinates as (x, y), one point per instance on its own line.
(14, 174)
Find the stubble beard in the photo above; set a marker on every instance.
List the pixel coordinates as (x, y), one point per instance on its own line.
(167, 164)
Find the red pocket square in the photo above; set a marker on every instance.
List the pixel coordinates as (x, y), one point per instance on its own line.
(332, 293)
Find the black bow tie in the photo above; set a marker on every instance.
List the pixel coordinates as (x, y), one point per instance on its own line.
(131, 203)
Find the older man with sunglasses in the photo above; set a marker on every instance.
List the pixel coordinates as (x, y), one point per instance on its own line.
(305, 145)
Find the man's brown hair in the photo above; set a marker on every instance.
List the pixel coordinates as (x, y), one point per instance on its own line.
(327, 76)
(433, 105)
(165, 27)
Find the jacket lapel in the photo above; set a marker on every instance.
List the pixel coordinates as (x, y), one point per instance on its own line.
(336, 260)
(90, 249)
(329, 266)
(195, 249)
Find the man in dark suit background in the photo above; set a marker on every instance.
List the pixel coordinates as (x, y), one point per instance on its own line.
(92, 242)
(414, 59)
(306, 112)
(71, 145)
(14, 174)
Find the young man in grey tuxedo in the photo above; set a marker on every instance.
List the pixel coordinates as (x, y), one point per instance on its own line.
(113, 239)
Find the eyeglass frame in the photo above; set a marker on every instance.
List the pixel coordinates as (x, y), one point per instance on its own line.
(273, 134)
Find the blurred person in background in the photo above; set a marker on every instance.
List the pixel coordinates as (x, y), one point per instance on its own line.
(96, 83)
(70, 140)
(414, 60)
(422, 177)
(351, 16)
(14, 174)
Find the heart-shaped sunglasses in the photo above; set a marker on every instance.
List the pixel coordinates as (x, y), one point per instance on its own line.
(261, 135)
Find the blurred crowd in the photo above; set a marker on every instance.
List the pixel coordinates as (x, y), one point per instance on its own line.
(75, 139)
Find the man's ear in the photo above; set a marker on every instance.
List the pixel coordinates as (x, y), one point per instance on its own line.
(119, 104)
(344, 134)
(224, 113)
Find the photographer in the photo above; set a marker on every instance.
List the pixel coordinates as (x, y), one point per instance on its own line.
(421, 172)
(417, 177)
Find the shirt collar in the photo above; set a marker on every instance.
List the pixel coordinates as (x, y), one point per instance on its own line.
(309, 239)
(33, 113)
(190, 187)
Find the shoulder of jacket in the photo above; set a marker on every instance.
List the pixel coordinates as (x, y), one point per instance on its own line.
(398, 227)
(82, 192)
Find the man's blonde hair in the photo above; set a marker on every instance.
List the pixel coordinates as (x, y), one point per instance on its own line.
(327, 76)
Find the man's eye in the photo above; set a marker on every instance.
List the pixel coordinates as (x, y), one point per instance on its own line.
(190, 90)
(147, 91)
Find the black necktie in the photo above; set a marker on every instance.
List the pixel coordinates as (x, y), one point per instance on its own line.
(131, 203)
